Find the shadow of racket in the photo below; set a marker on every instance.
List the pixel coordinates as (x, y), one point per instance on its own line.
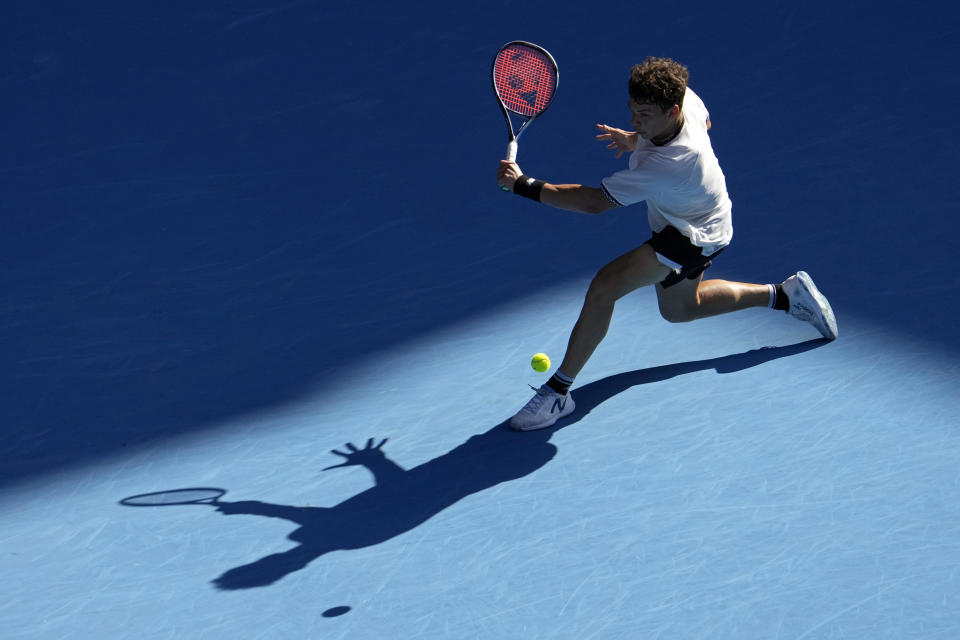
(175, 497)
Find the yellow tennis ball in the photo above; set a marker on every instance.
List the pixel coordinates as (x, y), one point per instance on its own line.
(540, 362)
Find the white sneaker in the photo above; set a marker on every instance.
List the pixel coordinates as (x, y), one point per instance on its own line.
(545, 408)
(809, 305)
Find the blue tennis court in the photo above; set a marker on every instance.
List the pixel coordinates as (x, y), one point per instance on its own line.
(257, 251)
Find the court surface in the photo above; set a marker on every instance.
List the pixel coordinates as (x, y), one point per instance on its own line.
(259, 247)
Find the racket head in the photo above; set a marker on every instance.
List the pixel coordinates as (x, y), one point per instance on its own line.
(171, 497)
(525, 78)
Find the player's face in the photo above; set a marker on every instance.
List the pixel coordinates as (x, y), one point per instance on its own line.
(650, 121)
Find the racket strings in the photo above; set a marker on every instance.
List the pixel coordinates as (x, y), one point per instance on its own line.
(525, 79)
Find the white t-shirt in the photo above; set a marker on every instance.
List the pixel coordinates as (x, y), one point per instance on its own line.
(681, 182)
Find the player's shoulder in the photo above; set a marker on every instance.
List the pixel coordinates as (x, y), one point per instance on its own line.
(665, 163)
(691, 99)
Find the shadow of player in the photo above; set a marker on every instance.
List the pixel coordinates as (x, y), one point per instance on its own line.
(401, 499)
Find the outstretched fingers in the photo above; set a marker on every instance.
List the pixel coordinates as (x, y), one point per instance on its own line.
(354, 454)
(619, 139)
(606, 135)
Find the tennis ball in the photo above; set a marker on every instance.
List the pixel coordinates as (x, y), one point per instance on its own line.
(540, 362)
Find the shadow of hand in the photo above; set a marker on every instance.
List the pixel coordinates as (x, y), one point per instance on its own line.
(369, 456)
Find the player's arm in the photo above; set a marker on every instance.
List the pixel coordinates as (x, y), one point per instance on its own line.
(575, 197)
(570, 197)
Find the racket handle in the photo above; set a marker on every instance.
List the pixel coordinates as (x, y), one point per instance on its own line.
(511, 157)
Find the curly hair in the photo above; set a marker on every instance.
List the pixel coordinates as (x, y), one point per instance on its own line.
(659, 81)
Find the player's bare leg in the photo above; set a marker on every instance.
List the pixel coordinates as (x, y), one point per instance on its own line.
(694, 299)
(685, 301)
(631, 271)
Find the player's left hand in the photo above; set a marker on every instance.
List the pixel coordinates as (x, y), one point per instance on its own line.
(508, 174)
(619, 140)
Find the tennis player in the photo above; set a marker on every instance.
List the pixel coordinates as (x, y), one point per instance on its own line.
(674, 170)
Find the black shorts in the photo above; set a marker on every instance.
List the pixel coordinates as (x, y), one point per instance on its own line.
(677, 248)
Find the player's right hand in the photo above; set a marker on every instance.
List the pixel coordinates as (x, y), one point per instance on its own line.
(508, 173)
(620, 140)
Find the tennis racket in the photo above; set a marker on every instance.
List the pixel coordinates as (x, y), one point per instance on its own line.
(198, 495)
(525, 80)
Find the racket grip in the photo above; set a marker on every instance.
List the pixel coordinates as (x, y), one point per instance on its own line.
(511, 157)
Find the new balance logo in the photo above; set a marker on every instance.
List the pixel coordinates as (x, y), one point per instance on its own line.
(559, 404)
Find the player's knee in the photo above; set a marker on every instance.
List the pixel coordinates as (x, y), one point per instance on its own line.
(602, 288)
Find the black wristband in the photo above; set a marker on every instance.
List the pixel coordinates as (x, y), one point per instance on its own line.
(528, 187)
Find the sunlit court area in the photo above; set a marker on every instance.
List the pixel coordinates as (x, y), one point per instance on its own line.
(266, 315)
